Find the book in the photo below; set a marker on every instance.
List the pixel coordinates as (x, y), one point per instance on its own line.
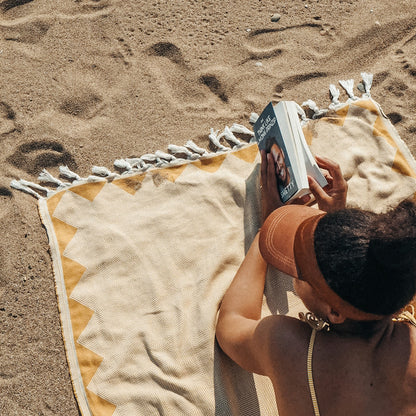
(278, 131)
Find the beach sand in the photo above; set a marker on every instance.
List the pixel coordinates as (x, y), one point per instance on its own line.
(83, 83)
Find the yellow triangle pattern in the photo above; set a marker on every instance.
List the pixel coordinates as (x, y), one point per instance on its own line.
(338, 117)
(64, 233)
(380, 130)
(368, 105)
(248, 153)
(170, 173)
(53, 202)
(73, 272)
(80, 316)
(210, 164)
(342, 115)
(400, 164)
(99, 406)
(130, 184)
(88, 190)
(88, 361)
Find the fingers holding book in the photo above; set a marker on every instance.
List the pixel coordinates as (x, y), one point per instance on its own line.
(289, 172)
(333, 196)
(330, 198)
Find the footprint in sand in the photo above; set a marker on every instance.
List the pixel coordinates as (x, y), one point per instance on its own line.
(268, 52)
(6, 196)
(396, 87)
(124, 52)
(215, 86)
(82, 104)
(404, 56)
(25, 31)
(380, 77)
(291, 81)
(395, 117)
(276, 43)
(21, 11)
(167, 50)
(6, 5)
(32, 157)
(197, 91)
(7, 119)
(5, 192)
(93, 5)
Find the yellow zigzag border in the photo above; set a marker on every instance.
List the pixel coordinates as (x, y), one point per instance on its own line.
(69, 272)
(80, 315)
(380, 129)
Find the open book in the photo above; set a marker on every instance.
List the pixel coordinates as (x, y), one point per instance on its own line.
(278, 131)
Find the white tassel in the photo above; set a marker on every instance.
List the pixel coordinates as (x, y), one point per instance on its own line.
(162, 163)
(312, 105)
(253, 118)
(165, 156)
(19, 186)
(46, 177)
(240, 129)
(134, 161)
(35, 186)
(335, 93)
(195, 148)
(101, 171)
(214, 140)
(145, 167)
(179, 161)
(122, 164)
(65, 172)
(182, 150)
(348, 86)
(149, 157)
(94, 178)
(228, 135)
(368, 82)
(301, 112)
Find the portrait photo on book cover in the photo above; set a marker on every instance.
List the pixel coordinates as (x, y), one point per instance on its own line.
(282, 165)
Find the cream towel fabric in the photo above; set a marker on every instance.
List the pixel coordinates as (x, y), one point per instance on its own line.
(141, 264)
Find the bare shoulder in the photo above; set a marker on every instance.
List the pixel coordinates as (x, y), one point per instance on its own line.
(287, 328)
(288, 338)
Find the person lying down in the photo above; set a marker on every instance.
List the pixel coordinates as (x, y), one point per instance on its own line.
(354, 353)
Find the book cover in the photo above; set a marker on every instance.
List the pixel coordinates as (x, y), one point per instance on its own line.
(269, 138)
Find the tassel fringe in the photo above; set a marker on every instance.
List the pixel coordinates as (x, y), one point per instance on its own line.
(232, 137)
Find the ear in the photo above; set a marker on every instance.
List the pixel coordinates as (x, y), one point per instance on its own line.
(335, 317)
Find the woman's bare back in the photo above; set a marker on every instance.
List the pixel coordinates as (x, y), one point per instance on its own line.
(352, 375)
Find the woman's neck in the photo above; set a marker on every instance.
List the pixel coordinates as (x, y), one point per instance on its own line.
(368, 330)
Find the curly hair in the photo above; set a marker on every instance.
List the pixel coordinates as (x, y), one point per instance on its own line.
(369, 259)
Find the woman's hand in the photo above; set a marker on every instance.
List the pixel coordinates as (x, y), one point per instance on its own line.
(332, 197)
(270, 198)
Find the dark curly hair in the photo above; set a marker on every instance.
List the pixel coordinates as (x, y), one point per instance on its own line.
(369, 259)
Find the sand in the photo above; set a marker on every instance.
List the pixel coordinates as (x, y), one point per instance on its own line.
(83, 83)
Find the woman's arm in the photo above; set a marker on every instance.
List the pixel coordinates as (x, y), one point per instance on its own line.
(240, 331)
